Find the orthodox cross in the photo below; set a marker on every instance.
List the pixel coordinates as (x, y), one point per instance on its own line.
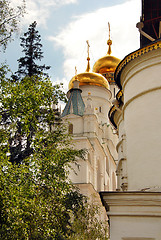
(75, 71)
(88, 46)
(109, 29)
(109, 42)
(88, 58)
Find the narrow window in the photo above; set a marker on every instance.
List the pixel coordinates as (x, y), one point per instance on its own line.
(70, 129)
(114, 93)
(100, 109)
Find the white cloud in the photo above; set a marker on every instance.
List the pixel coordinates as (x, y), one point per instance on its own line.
(40, 10)
(94, 27)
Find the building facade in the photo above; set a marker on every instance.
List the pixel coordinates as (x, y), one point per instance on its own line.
(90, 97)
(133, 201)
(134, 210)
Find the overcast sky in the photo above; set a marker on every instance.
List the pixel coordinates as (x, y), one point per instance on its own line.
(65, 25)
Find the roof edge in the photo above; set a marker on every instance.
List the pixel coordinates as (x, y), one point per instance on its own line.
(128, 58)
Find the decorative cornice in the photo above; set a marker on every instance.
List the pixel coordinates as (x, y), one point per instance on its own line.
(113, 109)
(111, 115)
(155, 45)
(119, 95)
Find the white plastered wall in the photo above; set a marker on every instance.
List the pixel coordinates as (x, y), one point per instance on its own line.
(141, 81)
(92, 132)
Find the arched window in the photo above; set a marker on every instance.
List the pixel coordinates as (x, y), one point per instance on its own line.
(113, 181)
(98, 176)
(89, 157)
(114, 93)
(107, 165)
(70, 128)
(100, 109)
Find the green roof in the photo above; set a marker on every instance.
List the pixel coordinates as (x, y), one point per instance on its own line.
(75, 104)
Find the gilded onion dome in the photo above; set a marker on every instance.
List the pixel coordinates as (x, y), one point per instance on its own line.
(90, 78)
(107, 64)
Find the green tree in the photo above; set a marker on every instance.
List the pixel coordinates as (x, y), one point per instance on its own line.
(34, 193)
(9, 21)
(88, 225)
(32, 48)
(37, 199)
(26, 107)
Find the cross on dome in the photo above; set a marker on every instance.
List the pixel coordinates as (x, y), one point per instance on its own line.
(109, 41)
(88, 58)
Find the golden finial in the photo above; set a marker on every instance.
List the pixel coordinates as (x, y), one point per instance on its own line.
(76, 81)
(88, 58)
(109, 42)
(76, 77)
(109, 29)
(75, 71)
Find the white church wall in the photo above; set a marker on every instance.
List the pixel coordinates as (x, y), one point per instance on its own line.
(146, 229)
(84, 169)
(142, 91)
(76, 121)
(134, 215)
(100, 98)
(93, 132)
(144, 155)
(121, 169)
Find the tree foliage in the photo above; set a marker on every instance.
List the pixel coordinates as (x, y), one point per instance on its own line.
(9, 20)
(89, 226)
(37, 199)
(33, 193)
(25, 109)
(32, 48)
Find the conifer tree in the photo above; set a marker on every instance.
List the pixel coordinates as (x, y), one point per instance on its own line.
(26, 107)
(21, 139)
(31, 44)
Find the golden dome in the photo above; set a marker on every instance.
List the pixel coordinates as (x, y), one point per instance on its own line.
(107, 63)
(89, 78)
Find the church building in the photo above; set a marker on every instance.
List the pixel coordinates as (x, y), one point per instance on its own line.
(134, 210)
(115, 113)
(90, 98)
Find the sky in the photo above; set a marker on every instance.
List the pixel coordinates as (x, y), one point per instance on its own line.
(65, 25)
